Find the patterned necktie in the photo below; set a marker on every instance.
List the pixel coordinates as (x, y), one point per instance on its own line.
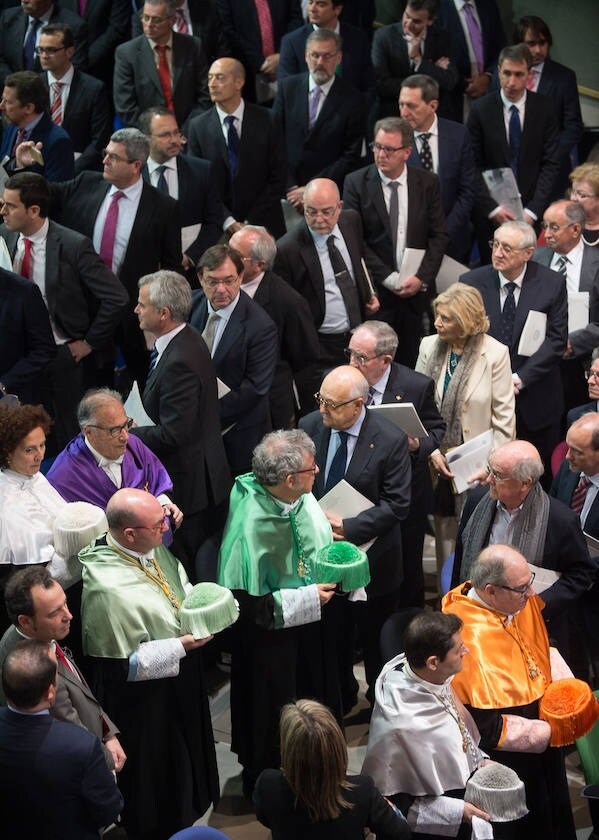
(56, 108)
(371, 396)
(26, 261)
(426, 156)
(153, 360)
(394, 217)
(161, 184)
(265, 24)
(579, 495)
(210, 330)
(164, 74)
(476, 38)
(20, 138)
(60, 657)
(180, 25)
(515, 131)
(531, 81)
(562, 266)
(313, 105)
(345, 283)
(29, 45)
(508, 316)
(337, 468)
(109, 231)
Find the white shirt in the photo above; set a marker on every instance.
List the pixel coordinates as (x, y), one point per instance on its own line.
(433, 142)
(336, 319)
(536, 73)
(573, 266)
(503, 292)
(590, 497)
(251, 287)
(402, 198)
(163, 341)
(170, 174)
(127, 212)
(223, 319)
(184, 9)
(379, 387)
(352, 438)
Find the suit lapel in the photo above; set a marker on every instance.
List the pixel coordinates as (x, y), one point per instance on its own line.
(309, 255)
(52, 266)
(74, 95)
(321, 441)
(363, 452)
(148, 64)
(375, 189)
(233, 330)
(395, 387)
(526, 302)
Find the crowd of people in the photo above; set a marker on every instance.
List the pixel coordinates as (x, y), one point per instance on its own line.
(226, 231)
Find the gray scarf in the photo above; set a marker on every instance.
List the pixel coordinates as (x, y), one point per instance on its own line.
(530, 529)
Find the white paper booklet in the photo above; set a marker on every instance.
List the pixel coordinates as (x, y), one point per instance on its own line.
(345, 501)
(403, 415)
(469, 458)
(533, 334)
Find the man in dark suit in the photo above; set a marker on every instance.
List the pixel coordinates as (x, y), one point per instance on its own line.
(450, 157)
(54, 779)
(78, 102)
(27, 345)
(107, 24)
(187, 179)
(321, 117)
(537, 383)
(475, 66)
(356, 66)
(20, 30)
(518, 129)
(245, 145)
(255, 42)
(383, 194)
(160, 67)
(242, 341)
(199, 18)
(372, 455)
(37, 607)
(181, 398)
(298, 340)
(25, 105)
(566, 253)
(147, 235)
(323, 259)
(372, 349)
(414, 45)
(85, 300)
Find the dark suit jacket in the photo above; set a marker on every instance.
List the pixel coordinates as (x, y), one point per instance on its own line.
(333, 146)
(392, 65)
(297, 262)
(108, 26)
(58, 150)
(199, 202)
(356, 66)
(180, 396)
(457, 176)
(26, 341)
(584, 340)
(245, 360)
(562, 488)
(87, 119)
(260, 180)
(205, 24)
(380, 470)
(53, 778)
(137, 86)
(541, 400)
(363, 192)
(240, 23)
(580, 410)
(538, 165)
(13, 26)
(84, 298)
(298, 342)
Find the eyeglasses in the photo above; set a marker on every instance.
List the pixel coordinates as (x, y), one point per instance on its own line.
(314, 56)
(313, 469)
(495, 245)
(518, 590)
(154, 20)
(554, 227)
(332, 406)
(114, 431)
(325, 212)
(213, 282)
(388, 150)
(47, 50)
(577, 194)
(114, 158)
(158, 526)
(495, 475)
(591, 374)
(169, 135)
(360, 358)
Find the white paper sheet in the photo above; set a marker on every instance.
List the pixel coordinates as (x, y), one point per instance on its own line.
(403, 415)
(544, 578)
(135, 408)
(189, 235)
(578, 311)
(533, 334)
(469, 458)
(345, 501)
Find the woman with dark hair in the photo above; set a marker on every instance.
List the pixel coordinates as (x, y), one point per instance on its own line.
(312, 795)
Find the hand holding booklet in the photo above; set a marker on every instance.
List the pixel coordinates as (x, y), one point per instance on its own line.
(345, 501)
(468, 459)
(403, 415)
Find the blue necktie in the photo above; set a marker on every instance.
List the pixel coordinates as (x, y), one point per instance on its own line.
(161, 184)
(515, 139)
(508, 316)
(29, 45)
(153, 360)
(337, 468)
(232, 152)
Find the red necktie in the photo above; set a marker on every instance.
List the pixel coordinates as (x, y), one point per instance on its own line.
(20, 138)
(60, 657)
(180, 23)
(26, 261)
(164, 74)
(579, 495)
(56, 109)
(109, 232)
(265, 24)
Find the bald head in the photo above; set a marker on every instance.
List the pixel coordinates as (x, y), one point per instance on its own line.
(322, 205)
(342, 396)
(226, 78)
(583, 444)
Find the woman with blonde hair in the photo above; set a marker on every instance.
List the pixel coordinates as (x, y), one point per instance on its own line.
(474, 393)
(312, 795)
(585, 191)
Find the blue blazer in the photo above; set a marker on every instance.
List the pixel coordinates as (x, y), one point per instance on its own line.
(57, 149)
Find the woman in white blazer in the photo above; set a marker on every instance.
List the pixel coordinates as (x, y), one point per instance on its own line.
(474, 393)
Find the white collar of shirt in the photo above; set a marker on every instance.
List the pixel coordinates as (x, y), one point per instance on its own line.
(325, 88)
(433, 130)
(286, 507)
(354, 430)
(503, 281)
(67, 79)
(171, 164)
(320, 239)
(168, 45)
(474, 596)
(133, 192)
(163, 341)
(45, 18)
(337, 28)
(251, 287)
(402, 179)
(379, 387)
(573, 257)
(39, 236)
(520, 104)
(237, 113)
(225, 313)
(145, 559)
(100, 459)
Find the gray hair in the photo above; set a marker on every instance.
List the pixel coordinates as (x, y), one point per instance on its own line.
(91, 401)
(574, 212)
(515, 52)
(136, 144)
(319, 36)
(169, 290)
(279, 454)
(529, 239)
(264, 246)
(528, 469)
(396, 125)
(428, 86)
(489, 567)
(171, 5)
(385, 336)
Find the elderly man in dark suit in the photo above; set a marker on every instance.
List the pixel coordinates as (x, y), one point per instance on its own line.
(78, 102)
(85, 300)
(27, 345)
(187, 179)
(372, 455)
(181, 398)
(443, 147)
(160, 67)
(298, 340)
(384, 194)
(246, 146)
(372, 349)
(511, 289)
(242, 341)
